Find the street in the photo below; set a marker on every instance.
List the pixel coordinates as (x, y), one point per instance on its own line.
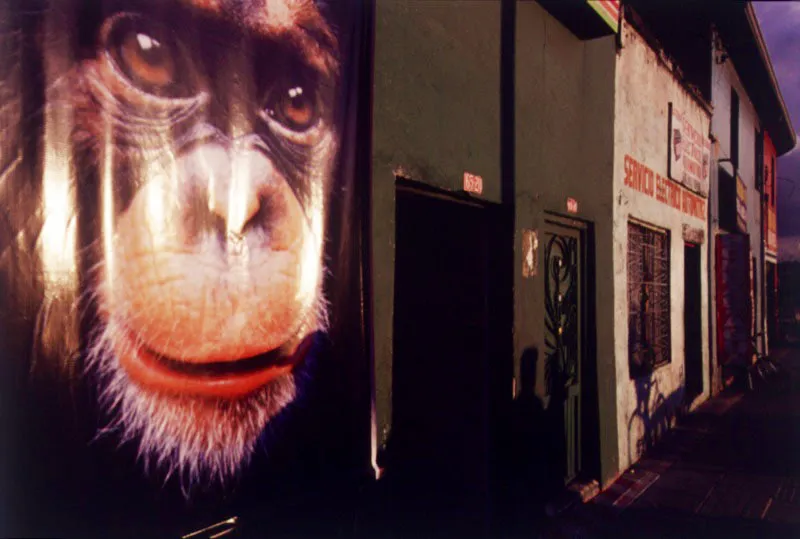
(730, 469)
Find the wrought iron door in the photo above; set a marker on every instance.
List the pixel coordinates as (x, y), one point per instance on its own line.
(563, 285)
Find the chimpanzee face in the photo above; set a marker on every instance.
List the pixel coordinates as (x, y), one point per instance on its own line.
(209, 126)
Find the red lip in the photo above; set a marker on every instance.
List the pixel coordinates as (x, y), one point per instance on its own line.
(227, 380)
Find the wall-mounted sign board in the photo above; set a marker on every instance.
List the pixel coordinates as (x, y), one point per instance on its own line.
(689, 153)
(741, 205)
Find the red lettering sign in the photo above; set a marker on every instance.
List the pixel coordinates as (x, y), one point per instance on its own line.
(670, 193)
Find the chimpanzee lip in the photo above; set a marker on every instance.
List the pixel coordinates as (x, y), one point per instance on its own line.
(243, 366)
(230, 379)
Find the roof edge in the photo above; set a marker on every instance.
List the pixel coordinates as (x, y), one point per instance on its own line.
(755, 28)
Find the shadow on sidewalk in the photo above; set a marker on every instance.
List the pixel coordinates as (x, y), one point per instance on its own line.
(637, 523)
(730, 469)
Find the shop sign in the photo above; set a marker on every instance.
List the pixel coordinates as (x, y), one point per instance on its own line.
(689, 153)
(741, 205)
(772, 230)
(608, 11)
(642, 178)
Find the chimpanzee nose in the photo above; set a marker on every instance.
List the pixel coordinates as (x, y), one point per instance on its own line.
(228, 191)
(236, 202)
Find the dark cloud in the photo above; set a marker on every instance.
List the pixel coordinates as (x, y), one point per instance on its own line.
(780, 23)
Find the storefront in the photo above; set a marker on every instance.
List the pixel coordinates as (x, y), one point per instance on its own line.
(662, 160)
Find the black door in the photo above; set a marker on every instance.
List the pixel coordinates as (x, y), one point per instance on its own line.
(692, 321)
(565, 339)
(445, 334)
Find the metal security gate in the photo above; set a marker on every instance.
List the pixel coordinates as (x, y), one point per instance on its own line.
(564, 282)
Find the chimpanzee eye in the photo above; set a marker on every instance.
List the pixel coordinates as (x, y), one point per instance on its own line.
(294, 105)
(148, 57)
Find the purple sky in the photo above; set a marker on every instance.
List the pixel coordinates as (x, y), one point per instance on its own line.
(780, 23)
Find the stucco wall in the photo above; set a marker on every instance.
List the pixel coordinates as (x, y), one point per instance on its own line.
(645, 87)
(564, 117)
(436, 114)
(724, 77)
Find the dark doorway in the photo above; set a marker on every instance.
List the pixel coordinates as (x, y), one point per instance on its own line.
(692, 321)
(568, 370)
(448, 334)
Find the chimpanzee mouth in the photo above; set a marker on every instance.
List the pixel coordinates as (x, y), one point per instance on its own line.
(244, 366)
(211, 379)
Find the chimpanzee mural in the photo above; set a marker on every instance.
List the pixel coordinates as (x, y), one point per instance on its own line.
(177, 199)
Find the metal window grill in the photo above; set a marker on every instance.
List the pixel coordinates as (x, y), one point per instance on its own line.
(648, 299)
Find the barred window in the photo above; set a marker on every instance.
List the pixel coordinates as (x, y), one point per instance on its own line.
(648, 299)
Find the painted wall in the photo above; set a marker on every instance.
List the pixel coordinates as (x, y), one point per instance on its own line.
(645, 87)
(724, 77)
(437, 114)
(564, 117)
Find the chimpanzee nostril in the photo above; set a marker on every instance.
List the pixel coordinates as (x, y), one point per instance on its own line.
(260, 217)
(200, 220)
(227, 222)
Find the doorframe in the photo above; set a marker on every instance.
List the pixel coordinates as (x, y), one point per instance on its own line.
(590, 403)
(417, 187)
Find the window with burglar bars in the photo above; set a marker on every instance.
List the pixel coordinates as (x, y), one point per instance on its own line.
(648, 299)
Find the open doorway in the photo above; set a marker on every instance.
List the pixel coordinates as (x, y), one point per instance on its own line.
(692, 321)
(449, 333)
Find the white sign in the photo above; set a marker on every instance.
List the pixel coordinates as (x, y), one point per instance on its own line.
(689, 153)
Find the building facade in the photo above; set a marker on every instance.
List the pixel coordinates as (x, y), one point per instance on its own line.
(662, 154)
(550, 232)
(750, 128)
(549, 220)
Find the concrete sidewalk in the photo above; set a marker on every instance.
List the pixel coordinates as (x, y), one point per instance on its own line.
(730, 469)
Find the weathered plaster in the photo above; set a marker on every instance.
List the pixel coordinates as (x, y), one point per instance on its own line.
(646, 407)
(725, 77)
